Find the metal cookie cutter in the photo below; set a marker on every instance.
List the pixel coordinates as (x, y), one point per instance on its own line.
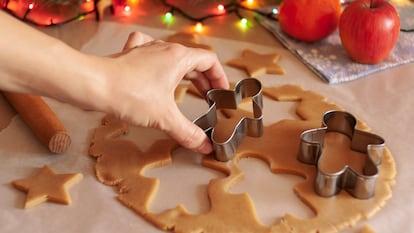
(360, 186)
(221, 99)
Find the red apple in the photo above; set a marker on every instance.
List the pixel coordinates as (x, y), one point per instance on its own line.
(309, 20)
(369, 30)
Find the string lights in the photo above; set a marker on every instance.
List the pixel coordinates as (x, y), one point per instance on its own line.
(24, 9)
(126, 7)
(27, 10)
(234, 7)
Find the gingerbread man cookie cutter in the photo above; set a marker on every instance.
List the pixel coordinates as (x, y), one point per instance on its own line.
(229, 99)
(361, 186)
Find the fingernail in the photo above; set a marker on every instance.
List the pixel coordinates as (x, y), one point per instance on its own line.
(205, 147)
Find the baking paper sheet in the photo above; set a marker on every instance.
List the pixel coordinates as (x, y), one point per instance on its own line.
(385, 104)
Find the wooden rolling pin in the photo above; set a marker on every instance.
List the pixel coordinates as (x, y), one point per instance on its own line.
(41, 119)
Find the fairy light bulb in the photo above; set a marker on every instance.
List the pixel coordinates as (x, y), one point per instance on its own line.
(275, 11)
(87, 6)
(243, 22)
(249, 2)
(31, 6)
(221, 8)
(168, 17)
(132, 3)
(127, 9)
(199, 27)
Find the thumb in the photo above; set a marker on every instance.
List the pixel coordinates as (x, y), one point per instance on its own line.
(187, 134)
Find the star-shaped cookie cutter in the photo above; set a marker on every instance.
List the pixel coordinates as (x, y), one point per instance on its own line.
(361, 186)
(228, 99)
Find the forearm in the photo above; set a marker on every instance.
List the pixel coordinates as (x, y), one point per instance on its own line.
(33, 62)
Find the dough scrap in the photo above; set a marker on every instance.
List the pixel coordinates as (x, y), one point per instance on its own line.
(367, 229)
(188, 40)
(121, 163)
(257, 64)
(7, 113)
(180, 92)
(47, 186)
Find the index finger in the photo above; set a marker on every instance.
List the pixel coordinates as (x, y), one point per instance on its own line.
(206, 71)
(136, 39)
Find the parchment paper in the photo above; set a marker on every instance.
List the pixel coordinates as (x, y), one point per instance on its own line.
(383, 101)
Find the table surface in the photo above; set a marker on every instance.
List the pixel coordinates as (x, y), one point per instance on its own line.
(383, 100)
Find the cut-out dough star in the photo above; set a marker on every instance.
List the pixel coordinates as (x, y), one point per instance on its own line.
(257, 64)
(47, 186)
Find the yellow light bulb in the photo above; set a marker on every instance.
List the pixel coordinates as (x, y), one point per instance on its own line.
(249, 2)
(199, 27)
(132, 2)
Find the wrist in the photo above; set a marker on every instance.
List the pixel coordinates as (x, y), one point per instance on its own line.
(74, 77)
(85, 81)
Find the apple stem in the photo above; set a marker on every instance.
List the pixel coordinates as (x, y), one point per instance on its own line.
(371, 3)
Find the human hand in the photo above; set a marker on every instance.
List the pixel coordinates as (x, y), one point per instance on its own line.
(143, 79)
(137, 84)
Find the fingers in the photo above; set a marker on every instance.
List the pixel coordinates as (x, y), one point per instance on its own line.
(205, 70)
(200, 82)
(136, 39)
(202, 67)
(165, 65)
(186, 133)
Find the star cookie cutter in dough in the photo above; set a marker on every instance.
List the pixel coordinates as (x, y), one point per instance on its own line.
(327, 184)
(228, 99)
